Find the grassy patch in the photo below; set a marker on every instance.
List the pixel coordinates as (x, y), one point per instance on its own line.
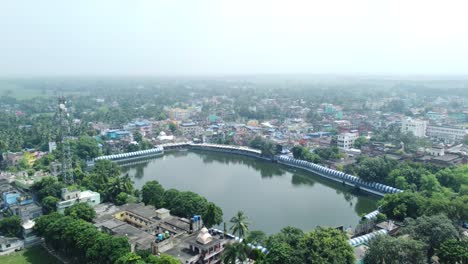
(34, 255)
(19, 92)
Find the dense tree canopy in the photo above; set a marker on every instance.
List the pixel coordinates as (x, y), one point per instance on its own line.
(374, 169)
(235, 252)
(323, 245)
(256, 237)
(360, 141)
(303, 153)
(266, 146)
(79, 240)
(47, 186)
(130, 258)
(401, 205)
(153, 193)
(432, 230)
(213, 215)
(184, 204)
(394, 135)
(162, 259)
(81, 211)
(49, 204)
(10, 226)
(395, 250)
(332, 153)
(87, 148)
(106, 179)
(433, 191)
(281, 253)
(453, 251)
(289, 235)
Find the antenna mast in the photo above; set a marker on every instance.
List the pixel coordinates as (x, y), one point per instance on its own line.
(64, 134)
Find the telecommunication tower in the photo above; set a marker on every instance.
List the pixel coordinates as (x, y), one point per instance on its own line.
(64, 136)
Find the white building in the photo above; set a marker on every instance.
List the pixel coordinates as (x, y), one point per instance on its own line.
(52, 146)
(415, 126)
(9, 244)
(447, 134)
(29, 234)
(70, 198)
(346, 140)
(436, 151)
(164, 137)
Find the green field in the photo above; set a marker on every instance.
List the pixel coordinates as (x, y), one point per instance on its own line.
(19, 92)
(34, 255)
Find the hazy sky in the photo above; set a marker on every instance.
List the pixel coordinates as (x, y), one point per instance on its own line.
(199, 37)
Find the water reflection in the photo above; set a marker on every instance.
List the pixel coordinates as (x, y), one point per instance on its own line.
(301, 180)
(264, 167)
(358, 200)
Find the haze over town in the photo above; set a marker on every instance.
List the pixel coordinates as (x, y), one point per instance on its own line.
(207, 37)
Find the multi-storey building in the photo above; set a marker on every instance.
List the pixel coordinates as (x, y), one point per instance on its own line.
(447, 134)
(190, 128)
(179, 114)
(346, 140)
(415, 126)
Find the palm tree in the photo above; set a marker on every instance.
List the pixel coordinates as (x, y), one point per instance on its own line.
(235, 252)
(127, 184)
(240, 224)
(120, 184)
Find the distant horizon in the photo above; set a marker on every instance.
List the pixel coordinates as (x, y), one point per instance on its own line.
(248, 75)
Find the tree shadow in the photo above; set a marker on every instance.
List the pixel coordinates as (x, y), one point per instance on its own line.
(39, 255)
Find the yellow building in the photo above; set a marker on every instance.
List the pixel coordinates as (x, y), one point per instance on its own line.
(252, 123)
(179, 114)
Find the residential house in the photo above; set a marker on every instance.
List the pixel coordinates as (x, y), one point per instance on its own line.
(70, 198)
(10, 244)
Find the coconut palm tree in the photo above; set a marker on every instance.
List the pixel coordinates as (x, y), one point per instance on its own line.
(240, 224)
(235, 253)
(118, 185)
(127, 183)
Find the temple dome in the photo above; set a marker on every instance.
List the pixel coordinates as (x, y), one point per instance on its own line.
(204, 237)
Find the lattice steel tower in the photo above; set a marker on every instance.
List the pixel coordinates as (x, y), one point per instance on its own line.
(64, 136)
